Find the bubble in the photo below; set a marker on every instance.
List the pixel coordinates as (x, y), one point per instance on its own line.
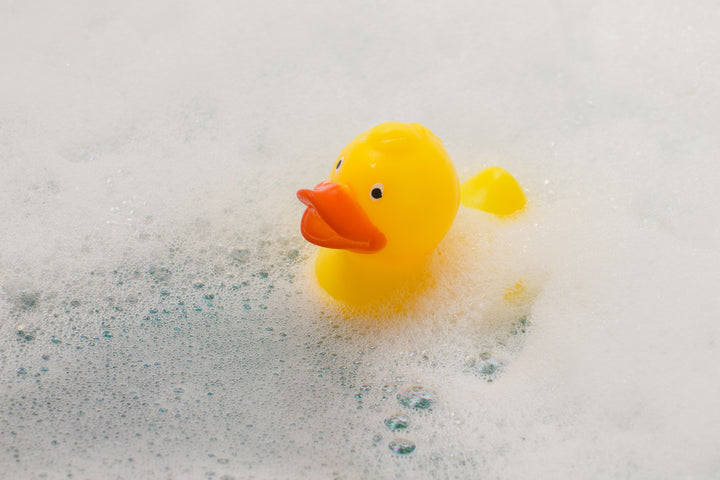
(198, 284)
(208, 296)
(223, 461)
(470, 361)
(488, 366)
(159, 273)
(240, 254)
(27, 299)
(397, 422)
(402, 446)
(292, 254)
(26, 333)
(416, 396)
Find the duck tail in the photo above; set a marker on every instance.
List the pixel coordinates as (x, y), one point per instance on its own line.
(494, 191)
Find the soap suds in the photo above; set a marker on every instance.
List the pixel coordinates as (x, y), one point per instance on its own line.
(158, 317)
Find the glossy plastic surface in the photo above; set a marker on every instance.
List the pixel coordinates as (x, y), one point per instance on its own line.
(390, 198)
(494, 191)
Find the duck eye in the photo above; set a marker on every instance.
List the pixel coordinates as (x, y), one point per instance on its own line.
(377, 190)
(339, 164)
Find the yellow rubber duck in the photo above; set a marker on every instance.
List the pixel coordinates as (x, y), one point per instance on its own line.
(391, 197)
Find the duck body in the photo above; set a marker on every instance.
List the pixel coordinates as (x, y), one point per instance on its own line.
(391, 196)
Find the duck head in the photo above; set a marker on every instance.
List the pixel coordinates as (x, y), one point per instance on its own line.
(391, 196)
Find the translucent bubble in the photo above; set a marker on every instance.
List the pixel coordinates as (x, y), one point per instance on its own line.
(159, 273)
(402, 446)
(240, 254)
(470, 361)
(416, 396)
(26, 333)
(388, 388)
(397, 422)
(27, 299)
(488, 366)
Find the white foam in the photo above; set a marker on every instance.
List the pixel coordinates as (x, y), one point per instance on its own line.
(149, 245)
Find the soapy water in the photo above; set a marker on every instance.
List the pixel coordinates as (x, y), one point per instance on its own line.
(158, 313)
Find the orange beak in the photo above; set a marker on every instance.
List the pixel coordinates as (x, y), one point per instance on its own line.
(334, 219)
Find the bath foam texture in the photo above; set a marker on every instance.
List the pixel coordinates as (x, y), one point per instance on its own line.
(158, 316)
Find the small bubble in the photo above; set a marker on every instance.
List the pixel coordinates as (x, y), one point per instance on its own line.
(22, 371)
(28, 300)
(488, 366)
(159, 273)
(26, 333)
(388, 388)
(240, 254)
(107, 334)
(179, 390)
(416, 397)
(470, 361)
(152, 311)
(223, 461)
(208, 296)
(46, 357)
(75, 303)
(397, 422)
(198, 284)
(377, 439)
(55, 340)
(402, 446)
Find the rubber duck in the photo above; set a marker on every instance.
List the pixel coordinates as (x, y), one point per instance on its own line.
(391, 196)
